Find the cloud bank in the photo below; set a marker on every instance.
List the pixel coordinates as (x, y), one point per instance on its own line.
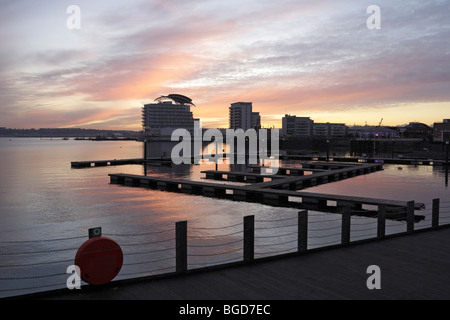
(307, 58)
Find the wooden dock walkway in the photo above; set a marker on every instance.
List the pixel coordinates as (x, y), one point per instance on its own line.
(281, 190)
(336, 159)
(269, 196)
(335, 173)
(285, 170)
(119, 162)
(248, 177)
(412, 266)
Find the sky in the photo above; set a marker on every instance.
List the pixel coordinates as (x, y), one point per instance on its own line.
(317, 59)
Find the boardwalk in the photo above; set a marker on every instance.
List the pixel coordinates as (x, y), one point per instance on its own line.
(253, 193)
(119, 162)
(415, 266)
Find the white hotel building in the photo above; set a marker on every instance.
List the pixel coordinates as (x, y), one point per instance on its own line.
(167, 114)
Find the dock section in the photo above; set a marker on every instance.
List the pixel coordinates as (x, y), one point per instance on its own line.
(119, 162)
(281, 189)
(249, 177)
(405, 161)
(276, 197)
(294, 178)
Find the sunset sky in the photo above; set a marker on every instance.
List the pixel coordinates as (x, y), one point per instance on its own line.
(306, 58)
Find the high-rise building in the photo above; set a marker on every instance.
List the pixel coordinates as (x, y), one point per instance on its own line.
(172, 111)
(256, 120)
(242, 116)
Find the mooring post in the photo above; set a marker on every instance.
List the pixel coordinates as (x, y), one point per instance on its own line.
(249, 238)
(302, 239)
(181, 246)
(328, 150)
(435, 214)
(446, 152)
(381, 228)
(410, 216)
(145, 149)
(345, 228)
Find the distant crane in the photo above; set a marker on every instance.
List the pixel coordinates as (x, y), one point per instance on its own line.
(376, 135)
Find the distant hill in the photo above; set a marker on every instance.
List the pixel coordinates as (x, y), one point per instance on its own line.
(68, 132)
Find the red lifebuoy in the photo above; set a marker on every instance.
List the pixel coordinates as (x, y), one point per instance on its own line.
(99, 259)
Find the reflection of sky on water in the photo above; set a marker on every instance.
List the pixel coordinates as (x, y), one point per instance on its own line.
(398, 182)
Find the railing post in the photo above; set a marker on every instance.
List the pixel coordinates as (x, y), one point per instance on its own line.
(345, 228)
(302, 239)
(435, 214)
(249, 238)
(181, 246)
(410, 216)
(381, 228)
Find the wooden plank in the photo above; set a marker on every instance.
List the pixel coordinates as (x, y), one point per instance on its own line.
(274, 183)
(116, 162)
(245, 189)
(244, 174)
(258, 167)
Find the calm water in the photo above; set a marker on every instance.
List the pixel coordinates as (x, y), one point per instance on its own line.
(46, 209)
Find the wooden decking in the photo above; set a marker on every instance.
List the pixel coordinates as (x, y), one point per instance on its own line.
(335, 173)
(208, 189)
(414, 266)
(284, 195)
(119, 162)
(407, 161)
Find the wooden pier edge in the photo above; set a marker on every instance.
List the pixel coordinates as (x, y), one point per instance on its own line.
(269, 196)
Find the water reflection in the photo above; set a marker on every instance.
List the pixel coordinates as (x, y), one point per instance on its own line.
(446, 176)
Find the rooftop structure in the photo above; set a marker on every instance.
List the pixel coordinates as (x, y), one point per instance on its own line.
(177, 98)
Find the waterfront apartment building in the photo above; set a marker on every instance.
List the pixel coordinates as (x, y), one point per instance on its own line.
(305, 127)
(297, 126)
(337, 130)
(242, 116)
(330, 130)
(166, 114)
(441, 131)
(256, 120)
(321, 130)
